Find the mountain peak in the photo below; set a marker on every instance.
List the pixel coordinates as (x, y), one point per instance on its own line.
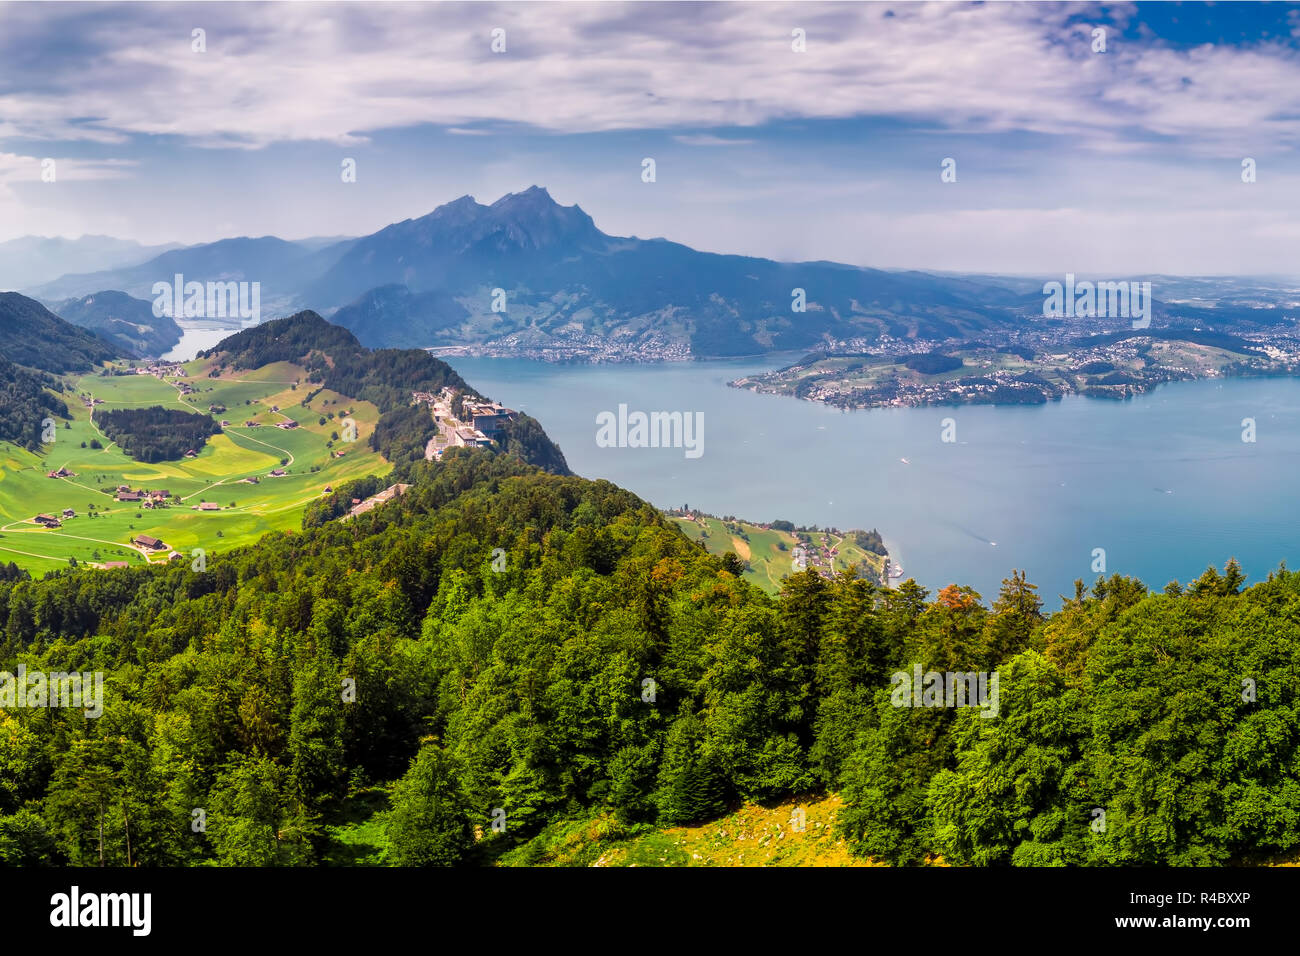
(533, 195)
(533, 218)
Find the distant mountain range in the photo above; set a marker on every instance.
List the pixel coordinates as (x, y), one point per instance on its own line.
(34, 260)
(566, 286)
(283, 268)
(127, 322)
(526, 275)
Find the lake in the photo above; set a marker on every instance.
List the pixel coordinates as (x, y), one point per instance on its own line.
(1163, 482)
(196, 339)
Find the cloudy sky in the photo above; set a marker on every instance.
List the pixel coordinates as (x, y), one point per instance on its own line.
(1127, 161)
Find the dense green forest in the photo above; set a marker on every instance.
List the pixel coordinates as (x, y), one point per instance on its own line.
(156, 433)
(25, 404)
(932, 363)
(505, 646)
(36, 337)
(35, 344)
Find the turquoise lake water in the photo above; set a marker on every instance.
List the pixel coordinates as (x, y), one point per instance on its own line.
(1163, 483)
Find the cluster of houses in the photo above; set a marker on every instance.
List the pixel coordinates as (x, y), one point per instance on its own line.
(161, 370)
(52, 521)
(480, 427)
(360, 507)
(143, 496)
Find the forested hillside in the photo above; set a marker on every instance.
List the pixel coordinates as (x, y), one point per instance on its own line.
(33, 344)
(25, 403)
(335, 359)
(599, 662)
(32, 335)
(128, 323)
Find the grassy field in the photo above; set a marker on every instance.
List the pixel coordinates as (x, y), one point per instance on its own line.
(247, 512)
(798, 832)
(792, 832)
(770, 554)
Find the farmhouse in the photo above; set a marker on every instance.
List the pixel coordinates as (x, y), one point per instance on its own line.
(48, 520)
(288, 423)
(277, 472)
(147, 541)
(129, 496)
(69, 513)
(209, 506)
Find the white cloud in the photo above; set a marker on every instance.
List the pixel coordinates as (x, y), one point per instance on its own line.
(339, 73)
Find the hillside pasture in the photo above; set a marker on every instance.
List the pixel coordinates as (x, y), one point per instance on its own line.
(248, 511)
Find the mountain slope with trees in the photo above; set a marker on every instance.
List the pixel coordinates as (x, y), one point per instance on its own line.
(335, 359)
(32, 335)
(609, 666)
(127, 322)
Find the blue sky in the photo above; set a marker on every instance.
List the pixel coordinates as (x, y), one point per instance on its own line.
(1127, 161)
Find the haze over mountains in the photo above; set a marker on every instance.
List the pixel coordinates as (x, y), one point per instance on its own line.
(33, 260)
(126, 321)
(525, 275)
(568, 285)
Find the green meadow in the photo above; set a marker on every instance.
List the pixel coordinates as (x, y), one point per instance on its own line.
(769, 554)
(248, 511)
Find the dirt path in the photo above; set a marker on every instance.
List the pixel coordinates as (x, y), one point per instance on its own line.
(10, 529)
